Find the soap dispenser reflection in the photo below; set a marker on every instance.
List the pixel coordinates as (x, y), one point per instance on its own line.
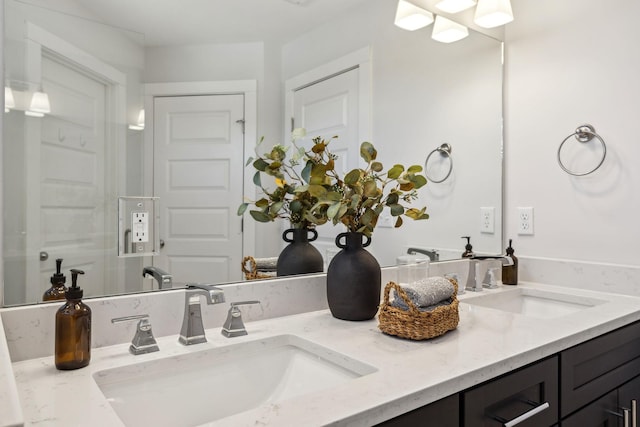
(468, 249)
(510, 272)
(58, 288)
(73, 329)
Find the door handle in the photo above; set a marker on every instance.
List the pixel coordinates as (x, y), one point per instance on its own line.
(44, 256)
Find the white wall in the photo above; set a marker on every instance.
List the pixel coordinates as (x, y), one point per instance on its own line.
(571, 62)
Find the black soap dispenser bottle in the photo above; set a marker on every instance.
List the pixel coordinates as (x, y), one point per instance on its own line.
(510, 272)
(468, 249)
(73, 329)
(58, 288)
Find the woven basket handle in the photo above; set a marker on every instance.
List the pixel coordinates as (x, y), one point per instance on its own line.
(252, 264)
(402, 294)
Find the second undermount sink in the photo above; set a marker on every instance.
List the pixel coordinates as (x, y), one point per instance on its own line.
(204, 386)
(536, 303)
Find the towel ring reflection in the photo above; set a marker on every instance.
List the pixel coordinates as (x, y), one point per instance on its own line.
(584, 133)
(445, 151)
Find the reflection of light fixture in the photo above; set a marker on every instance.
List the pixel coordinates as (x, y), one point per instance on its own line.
(455, 6)
(140, 124)
(39, 105)
(492, 13)
(447, 31)
(411, 17)
(9, 101)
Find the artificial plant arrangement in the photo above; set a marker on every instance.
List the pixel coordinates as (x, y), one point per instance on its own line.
(293, 192)
(358, 199)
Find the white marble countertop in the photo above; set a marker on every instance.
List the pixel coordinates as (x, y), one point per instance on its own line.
(410, 374)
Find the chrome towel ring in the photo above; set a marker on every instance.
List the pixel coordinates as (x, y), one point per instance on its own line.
(584, 133)
(445, 151)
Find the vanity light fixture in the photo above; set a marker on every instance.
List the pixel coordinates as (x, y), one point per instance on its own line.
(9, 100)
(140, 124)
(39, 105)
(411, 17)
(447, 31)
(493, 13)
(455, 6)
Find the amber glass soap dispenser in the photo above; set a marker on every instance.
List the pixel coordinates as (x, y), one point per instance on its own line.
(58, 288)
(510, 272)
(73, 329)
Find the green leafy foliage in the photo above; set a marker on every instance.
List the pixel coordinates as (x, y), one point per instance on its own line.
(358, 199)
(308, 191)
(293, 190)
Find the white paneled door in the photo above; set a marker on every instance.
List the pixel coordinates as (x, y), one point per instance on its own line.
(198, 176)
(66, 212)
(328, 108)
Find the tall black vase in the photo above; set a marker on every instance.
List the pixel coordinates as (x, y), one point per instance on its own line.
(353, 280)
(300, 256)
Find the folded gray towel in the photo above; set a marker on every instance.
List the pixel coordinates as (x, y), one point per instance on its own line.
(425, 293)
(266, 264)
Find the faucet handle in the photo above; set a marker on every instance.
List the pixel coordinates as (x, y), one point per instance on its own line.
(143, 341)
(234, 326)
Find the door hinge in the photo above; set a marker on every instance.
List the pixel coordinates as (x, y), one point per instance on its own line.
(241, 121)
(292, 124)
(242, 225)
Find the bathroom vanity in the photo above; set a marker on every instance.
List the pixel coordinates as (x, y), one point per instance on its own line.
(573, 353)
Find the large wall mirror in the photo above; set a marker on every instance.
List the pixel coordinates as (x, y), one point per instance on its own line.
(100, 63)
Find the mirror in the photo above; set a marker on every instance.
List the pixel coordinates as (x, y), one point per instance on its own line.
(423, 94)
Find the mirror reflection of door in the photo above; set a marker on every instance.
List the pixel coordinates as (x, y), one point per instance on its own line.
(198, 176)
(328, 108)
(66, 189)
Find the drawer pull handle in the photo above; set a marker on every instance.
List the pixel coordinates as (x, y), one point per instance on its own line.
(634, 413)
(530, 413)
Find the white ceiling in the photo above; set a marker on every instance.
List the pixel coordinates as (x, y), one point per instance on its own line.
(177, 22)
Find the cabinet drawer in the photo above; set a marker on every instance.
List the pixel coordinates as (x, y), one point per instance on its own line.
(517, 393)
(442, 413)
(594, 368)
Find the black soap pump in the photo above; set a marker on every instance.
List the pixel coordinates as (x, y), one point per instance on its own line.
(510, 272)
(73, 329)
(468, 249)
(57, 289)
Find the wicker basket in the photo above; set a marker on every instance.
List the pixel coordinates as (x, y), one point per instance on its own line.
(252, 272)
(414, 324)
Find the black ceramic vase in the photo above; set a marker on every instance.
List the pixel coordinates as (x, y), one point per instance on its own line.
(300, 256)
(353, 280)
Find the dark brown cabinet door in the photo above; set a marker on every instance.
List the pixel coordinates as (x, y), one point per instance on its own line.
(600, 413)
(443, 413)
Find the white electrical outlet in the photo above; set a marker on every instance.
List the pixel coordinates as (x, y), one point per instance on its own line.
(140, 226)
(487, 221)
(386, 220)
(525, 221)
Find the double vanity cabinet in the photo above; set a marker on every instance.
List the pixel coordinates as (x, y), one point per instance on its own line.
(593, 384)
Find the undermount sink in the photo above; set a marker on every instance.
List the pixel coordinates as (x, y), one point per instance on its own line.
(534, 302)
(204, 386)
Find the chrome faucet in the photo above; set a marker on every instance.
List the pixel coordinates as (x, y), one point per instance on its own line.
(164, 279)
(431, 253)
(192, 331)
(474, 282)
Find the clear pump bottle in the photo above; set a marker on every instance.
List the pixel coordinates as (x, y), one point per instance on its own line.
(73, 329)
